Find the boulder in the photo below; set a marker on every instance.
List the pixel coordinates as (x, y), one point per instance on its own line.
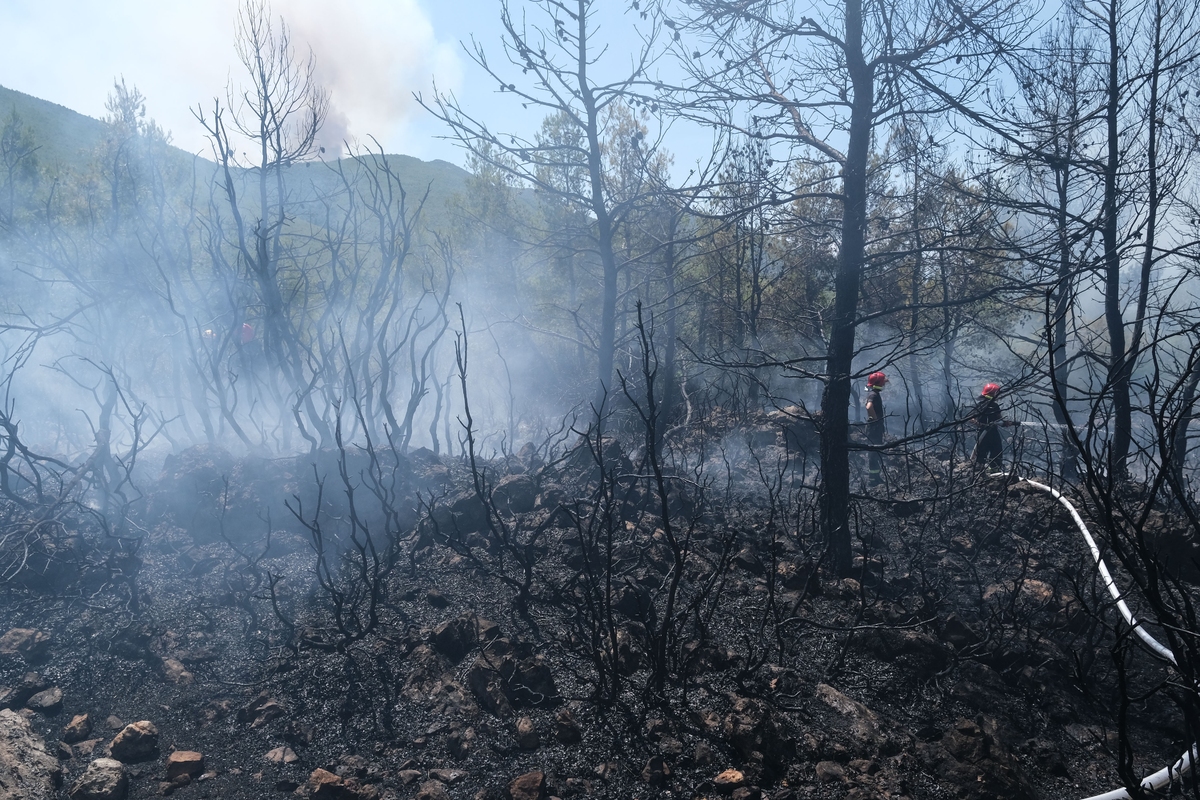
(27, 770)
(48, 701)
(656, 772)
(515, 494)
(754, 733)
(105, 779)
(916, 652)
(324, 785)
(135, 742)
(456, 637)
(527, 734)
(184, 762)
(865, 726)
(175, 672)
(282, 755)
(432, 790)
(31, 644)
(530, 786)
(461, 515)
(488, 687)
(78, 729)
(260, 711)
(728, 780)
(972, 757)
(17, 695)
(566, 728)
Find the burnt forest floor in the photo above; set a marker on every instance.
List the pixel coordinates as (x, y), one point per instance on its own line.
(969, 657)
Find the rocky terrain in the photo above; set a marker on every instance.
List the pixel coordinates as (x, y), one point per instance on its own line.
(566, 627)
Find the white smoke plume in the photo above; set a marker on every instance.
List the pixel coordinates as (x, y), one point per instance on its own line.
(371, 55)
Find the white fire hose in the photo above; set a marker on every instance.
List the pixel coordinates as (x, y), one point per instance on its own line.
(1167, 775)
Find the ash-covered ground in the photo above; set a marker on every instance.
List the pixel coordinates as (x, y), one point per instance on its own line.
(567, 626)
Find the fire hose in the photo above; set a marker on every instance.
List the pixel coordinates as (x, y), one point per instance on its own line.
(1167, 775)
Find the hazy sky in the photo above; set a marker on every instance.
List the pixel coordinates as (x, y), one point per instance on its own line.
(371, 54)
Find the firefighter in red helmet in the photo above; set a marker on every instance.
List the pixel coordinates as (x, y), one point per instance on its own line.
(989, 450)
(875, 426)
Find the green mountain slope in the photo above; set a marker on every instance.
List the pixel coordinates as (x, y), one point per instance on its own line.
(67, 139)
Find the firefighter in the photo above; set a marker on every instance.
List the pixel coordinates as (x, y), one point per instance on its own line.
(989, 450)
(875, 426)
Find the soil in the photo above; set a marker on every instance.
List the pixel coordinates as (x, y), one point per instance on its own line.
(970, 656)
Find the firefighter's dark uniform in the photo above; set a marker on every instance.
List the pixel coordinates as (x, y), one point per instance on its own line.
(875, 427)
(989, 450)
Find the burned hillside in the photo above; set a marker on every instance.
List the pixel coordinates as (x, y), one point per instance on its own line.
(559, 622)
(784, 400)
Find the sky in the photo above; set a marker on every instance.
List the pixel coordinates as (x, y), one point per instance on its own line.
(372, 55)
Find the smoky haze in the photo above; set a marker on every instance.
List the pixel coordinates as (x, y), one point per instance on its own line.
(372, 57)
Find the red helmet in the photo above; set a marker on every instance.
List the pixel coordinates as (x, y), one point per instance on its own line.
(990, 389)
(877, 379)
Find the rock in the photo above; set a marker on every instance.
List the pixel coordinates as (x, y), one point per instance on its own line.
(728, 780)
(85, 748)
(175, 672)
(864, 724)
(16, 696)
(436, 599)
(456, 637)
(105, 779)
(184, 762)
(958, 633)
(460, 743)
(407, 776)
(515, 494)
(447, 776)
(432, 790)
(463, 515)
(324, 785)
(487, 685)
(752, 730)
(972, 757)
(78, 729)
(747, 559)
(282, 755)
(260, 711)
(656, 772)
(486, 630)
(114, 723)
(830, 772)
(27, 769)
(216, 709)
(566, 729)
(31, 644)
(530, 786)
(136, 742)
(636, 602)
(915, 651)
(527, 734)
(754, 793)
(48, 701)
(425, 675)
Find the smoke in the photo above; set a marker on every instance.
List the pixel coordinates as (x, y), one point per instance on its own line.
(371, 54)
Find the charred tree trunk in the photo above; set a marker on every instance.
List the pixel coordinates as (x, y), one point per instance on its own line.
(835, 454)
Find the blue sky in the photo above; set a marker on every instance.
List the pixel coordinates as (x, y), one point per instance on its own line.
(371, 54)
